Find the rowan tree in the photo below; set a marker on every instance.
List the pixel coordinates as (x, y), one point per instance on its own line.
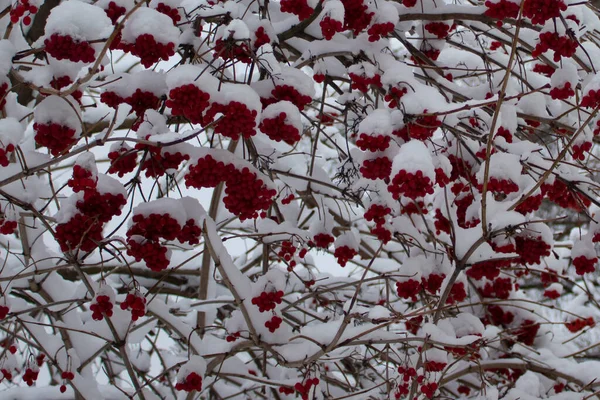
(312, 199)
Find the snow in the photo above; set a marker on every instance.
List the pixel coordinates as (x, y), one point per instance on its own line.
(58, 110)
(79, 20)
(149, 21)
(412, 157)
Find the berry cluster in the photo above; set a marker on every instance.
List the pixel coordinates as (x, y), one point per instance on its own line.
(5, 153)
(394, 95)
(561, 194)
(540, 11)
(330, 27)
(563, 46)
(267, 301)
(544, 69)
(322, 240)
(66, 376)
(30, 375)
(153, 253)
(377, 213)
(433, 282)
(438, 29)
(499, 289)
(356, 15)
(344, 254)
(81, 231)
(502, 9)
(276, 129)
(488, 269)
(233, 337)
(158, 160)
(140, 101)
(273, 324)
(287, 93)
(19, 9)
(114, 12)
(410, 184)
(583, 264)
(208, 173)
(188, 101)
(591, 99)
(285, 390)
(531, 249)
(4, 310)
(57, 138)
(232, 49)
(377, 31)
(505, 186)
(101, 306)
(578, 324)
(155, 226)
(246, 194)
(373, 143)
(136, 303)
(304, 388)
(362, 82)
(261, 37)
(562, 93)
(376, 168)
(149, 50)
(236, 120)
(173, 13)
(123, 160)
(408, 289)
(297, 7)
(422, 128)
(64, 47)
(579, 151)
(191, 382)
(82, 179)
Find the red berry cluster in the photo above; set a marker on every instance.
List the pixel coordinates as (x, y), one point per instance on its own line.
(563, 46)
(583, 264)
(101, 206)
(188, 101)
(4, 310)
(422, 128)
(410, 184)
(5, 153)
(531, 249)
(488, 269)
(330, 27)
(429, 389)
(500, 288)
(544, 69)
(561, 194)
(261, 37)
(562, 93)
(434, 366)
(232, 49)
(304, 388)
(236, 120)
(551, 294)
(273, 324)
(19, 9)
(286, 390)
(495, 45)
(57, 138)
(114, 11)
(67, 375)
(192, 382)
(158, 161)
(394, 95)
(81, 231)
(433, 282)
(153, 253)
(246, 194)
(377, 31)
(233, 337)
(100, 307)
(64, 81)
(527, 332)
(297, 7)
(505, 186)
(591, 99)
(500, 317)
(540, 11)
(149, 50)
(287, 93)
(140, 101)
(362, 82)
(457, 294)
(155, 226)
(377, 213)
(64, 47)
(207, 173)
(82, 179)
(356, 15)
(580, 150)
(170, 12)
(123, 160)
(502, 9)
(267, 301)
(322, 240)
(344, 254)
(136, 303)
(276, 129)
(30, 375)
(373, 143)
(441, 223)
(578, 324)
(438, 29)
(376, 168)
(408, 289)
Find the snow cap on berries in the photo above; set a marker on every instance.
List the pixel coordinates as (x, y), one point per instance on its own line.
(81, 21)
(414, 156)
(11, 132)
(149, 21)
(58, 110)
